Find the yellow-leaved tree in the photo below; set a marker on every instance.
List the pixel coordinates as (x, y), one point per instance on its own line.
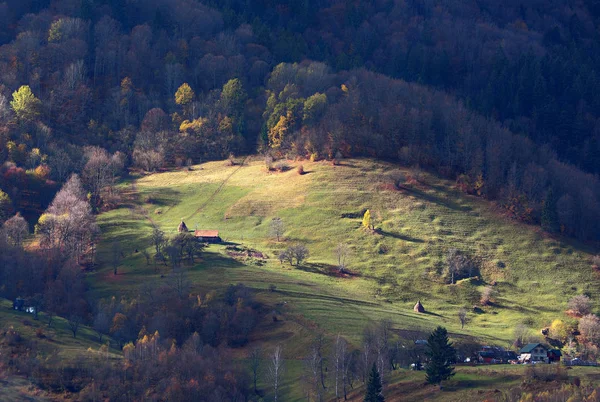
(559, 330)
(277, 133)
(25, 105)
(366, 222)
(184, 95)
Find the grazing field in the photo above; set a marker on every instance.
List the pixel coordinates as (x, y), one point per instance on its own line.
(534, 274)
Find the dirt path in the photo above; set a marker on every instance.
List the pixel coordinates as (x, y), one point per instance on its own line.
(217, 191)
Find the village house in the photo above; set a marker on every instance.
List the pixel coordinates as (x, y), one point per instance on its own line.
(495, 355)
(208, 236)
(533, 352)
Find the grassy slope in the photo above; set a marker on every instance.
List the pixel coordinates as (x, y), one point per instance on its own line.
(540, 273)
(58, 338)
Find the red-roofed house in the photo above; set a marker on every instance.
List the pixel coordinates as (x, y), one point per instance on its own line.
(208, 236)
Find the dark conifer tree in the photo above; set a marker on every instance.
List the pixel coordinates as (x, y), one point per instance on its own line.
(373, 393)
(441, 356)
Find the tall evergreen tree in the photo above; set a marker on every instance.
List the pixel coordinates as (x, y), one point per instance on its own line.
(549, 213)
(441, 355)
(373, 393)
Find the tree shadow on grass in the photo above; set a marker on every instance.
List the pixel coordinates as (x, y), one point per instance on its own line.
(400, 237)
(161, 197)
(326, 269)
(458, 385)
(437, 200)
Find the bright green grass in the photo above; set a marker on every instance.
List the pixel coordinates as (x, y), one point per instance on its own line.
(395, 269)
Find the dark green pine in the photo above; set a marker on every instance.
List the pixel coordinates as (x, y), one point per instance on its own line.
(373, 393)
(441, 356)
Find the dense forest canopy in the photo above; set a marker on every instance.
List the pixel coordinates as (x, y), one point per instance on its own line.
(503, 98)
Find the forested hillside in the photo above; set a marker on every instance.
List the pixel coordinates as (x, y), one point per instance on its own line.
(176, 81)
(440, 118)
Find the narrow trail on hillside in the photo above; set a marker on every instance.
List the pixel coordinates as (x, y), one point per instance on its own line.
(217, 191)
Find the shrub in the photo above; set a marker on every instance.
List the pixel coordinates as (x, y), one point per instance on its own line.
(300, 170)
(486, 295)
(547, 373)
(272, 288)
(281, 166)
(269, 163)
(596, 261)
(397, 178)
(40, 333)
(12, 336)
(230, 160)
(580, 304)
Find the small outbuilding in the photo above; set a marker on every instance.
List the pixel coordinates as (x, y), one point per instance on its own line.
(208, 236)
(554, 355)
(419, 307)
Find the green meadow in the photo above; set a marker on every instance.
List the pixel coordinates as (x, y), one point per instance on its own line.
(534, 274)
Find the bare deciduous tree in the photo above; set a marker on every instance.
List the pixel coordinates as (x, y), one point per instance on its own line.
(462, 317)
(312, 364)
(100, 171)
(339, 359)
(342, 253)
(101, 324)
(68, 224)
(580, 304)
(179, 282)
(15, 230)
(300, 253)
(255, 358)
(74, 323)
(459, 266)
(116, 256)
(275, 371)
(589, 326)
(276, 228)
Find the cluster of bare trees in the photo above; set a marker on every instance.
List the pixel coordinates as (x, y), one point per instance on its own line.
(68, 224)
(333, 367)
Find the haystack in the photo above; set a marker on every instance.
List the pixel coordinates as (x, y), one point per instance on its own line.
(419, 307)
(182, 227)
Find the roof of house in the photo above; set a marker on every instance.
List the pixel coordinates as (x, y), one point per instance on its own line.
(206, 233)
(530, 346)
